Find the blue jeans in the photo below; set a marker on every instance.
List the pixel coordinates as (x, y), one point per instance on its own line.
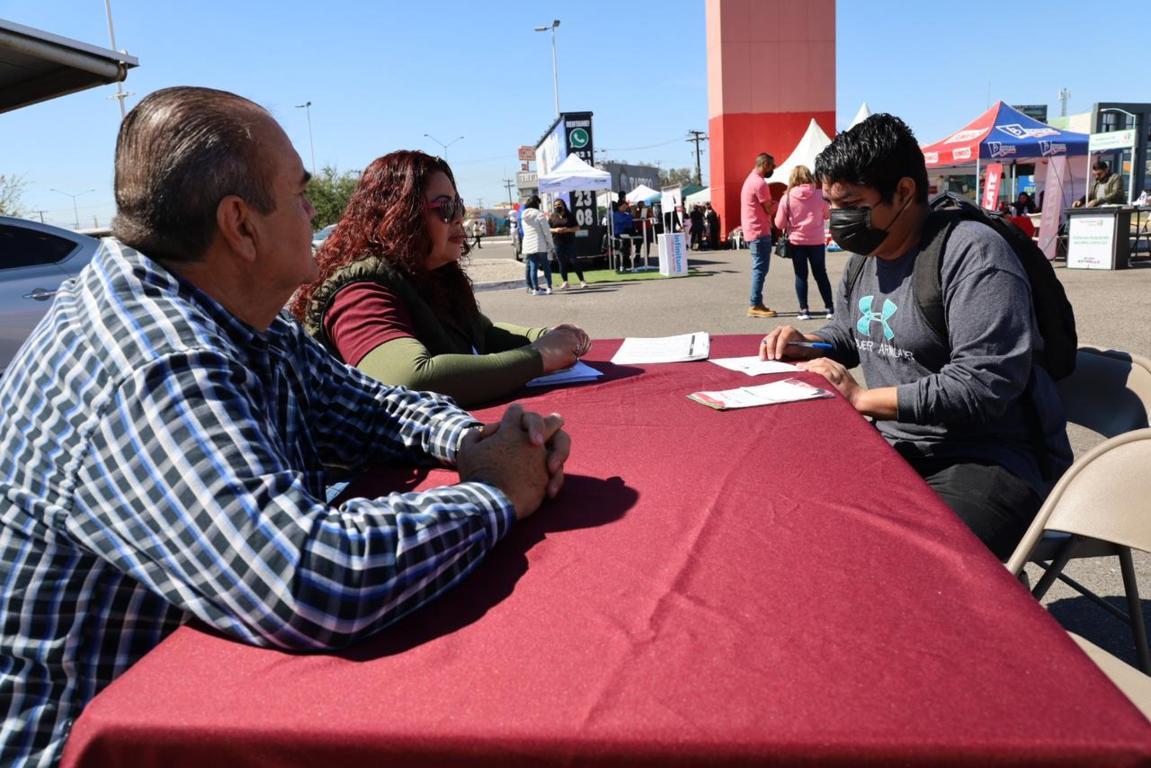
(760, 261)
(801, 256)
(534, 262)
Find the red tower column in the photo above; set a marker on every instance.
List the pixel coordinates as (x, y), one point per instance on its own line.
(770, 69)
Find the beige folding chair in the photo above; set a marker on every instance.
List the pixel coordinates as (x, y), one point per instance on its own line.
(1134, 684)
(1110, 394)
(1100, 501)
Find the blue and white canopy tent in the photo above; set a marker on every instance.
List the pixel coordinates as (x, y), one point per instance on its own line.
(1006, 135)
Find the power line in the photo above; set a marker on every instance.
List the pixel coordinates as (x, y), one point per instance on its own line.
(646, 146)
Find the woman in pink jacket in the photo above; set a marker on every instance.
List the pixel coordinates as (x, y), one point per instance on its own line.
(801, 214)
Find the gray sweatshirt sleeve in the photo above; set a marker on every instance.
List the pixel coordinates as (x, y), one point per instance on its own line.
(987, 299)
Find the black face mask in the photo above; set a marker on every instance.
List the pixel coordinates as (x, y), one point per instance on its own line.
(852, 231)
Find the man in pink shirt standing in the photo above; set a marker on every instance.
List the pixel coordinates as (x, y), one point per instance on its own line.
(755, 205)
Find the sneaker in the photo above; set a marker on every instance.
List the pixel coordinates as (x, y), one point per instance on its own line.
(760, 311)
(582, 284)
(531, 291)
(545, 291)
(803, 315)
(563, 286)
(830, 315)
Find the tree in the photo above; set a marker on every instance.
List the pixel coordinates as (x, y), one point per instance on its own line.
(329, 191)
(671, 176)
(11, 190)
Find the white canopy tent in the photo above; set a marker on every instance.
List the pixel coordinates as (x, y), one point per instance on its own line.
(698, 198)
(863, 113)
(642, 194)
(812, 143)
(574, 175)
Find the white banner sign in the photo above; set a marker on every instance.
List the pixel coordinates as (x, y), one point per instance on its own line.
(1111, 140)
(1090, 242)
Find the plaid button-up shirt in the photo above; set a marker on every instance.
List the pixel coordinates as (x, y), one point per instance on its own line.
(161, 460)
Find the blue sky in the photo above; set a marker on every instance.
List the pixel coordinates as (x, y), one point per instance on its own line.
(382, 74)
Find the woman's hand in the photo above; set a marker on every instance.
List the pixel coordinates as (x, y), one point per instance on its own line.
(561, 347)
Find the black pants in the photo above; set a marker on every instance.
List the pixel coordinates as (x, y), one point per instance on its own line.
(996, 505)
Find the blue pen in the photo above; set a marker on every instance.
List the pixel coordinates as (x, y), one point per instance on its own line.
(811, 344)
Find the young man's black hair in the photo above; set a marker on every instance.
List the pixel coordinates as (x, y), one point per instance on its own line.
(877, 153)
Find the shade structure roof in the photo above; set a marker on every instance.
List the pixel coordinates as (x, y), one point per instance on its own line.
(36, 66)
(1003, 133)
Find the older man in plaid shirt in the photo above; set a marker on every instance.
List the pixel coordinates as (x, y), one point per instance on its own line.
(166, 436)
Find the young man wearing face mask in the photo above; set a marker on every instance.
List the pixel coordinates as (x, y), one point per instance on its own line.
(971, 413)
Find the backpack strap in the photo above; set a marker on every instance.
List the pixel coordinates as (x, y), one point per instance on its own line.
(853, 271)
(927, 275)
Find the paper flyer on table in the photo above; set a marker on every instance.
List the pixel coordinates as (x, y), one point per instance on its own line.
(581, 371)
(786, 391)
(753, 366)
(664, 349)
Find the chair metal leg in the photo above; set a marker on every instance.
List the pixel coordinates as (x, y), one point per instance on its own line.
(1053, 570)
(1135, 609)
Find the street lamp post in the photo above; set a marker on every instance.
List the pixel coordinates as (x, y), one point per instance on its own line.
(443, 145)
(75, 208)
(307, 107)
(555, 70)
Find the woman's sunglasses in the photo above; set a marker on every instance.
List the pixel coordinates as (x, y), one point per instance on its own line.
(448, 208)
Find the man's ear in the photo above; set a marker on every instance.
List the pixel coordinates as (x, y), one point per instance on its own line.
(907, 188)
(236, 228)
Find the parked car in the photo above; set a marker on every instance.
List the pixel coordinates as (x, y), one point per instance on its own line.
(319, 237)
(34, 259)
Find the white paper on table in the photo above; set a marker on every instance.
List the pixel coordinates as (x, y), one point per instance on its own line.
(581, 371)
(753, 366)
(786, 391)
(664, 349)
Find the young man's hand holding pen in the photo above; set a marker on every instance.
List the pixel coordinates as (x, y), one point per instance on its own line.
(786, 342)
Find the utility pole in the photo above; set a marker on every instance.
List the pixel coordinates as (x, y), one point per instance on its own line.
(508, 184)
(120, 93)
(1064, 95)
(697, 137)
(307, 107)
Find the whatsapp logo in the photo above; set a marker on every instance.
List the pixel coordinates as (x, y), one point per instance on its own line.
(578, 138)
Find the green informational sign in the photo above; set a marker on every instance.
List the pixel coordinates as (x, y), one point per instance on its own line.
(578, 138)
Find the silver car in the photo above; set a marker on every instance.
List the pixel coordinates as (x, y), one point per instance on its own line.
(34, 259)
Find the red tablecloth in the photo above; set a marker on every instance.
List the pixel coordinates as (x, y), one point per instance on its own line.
(768, 586)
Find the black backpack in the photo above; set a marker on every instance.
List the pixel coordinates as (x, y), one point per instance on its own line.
(1053, 312)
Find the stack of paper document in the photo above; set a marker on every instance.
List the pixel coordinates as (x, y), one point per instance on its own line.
(753, 366)
(786, 391)
(581, 371)
(664, 349)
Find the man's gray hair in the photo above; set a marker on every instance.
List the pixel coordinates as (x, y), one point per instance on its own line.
(179, 153)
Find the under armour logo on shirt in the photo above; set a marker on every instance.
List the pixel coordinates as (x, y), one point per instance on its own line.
(867, 317)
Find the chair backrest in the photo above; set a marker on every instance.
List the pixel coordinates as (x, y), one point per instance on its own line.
(1103, 495)
(1109, 392)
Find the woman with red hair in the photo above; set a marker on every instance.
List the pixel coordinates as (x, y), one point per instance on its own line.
(392, 299)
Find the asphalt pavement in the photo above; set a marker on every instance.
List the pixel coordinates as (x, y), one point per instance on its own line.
(1112, 309)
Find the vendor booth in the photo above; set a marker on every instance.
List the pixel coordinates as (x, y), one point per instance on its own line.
(1004, 139)
(581, 180)
(1004, 135)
